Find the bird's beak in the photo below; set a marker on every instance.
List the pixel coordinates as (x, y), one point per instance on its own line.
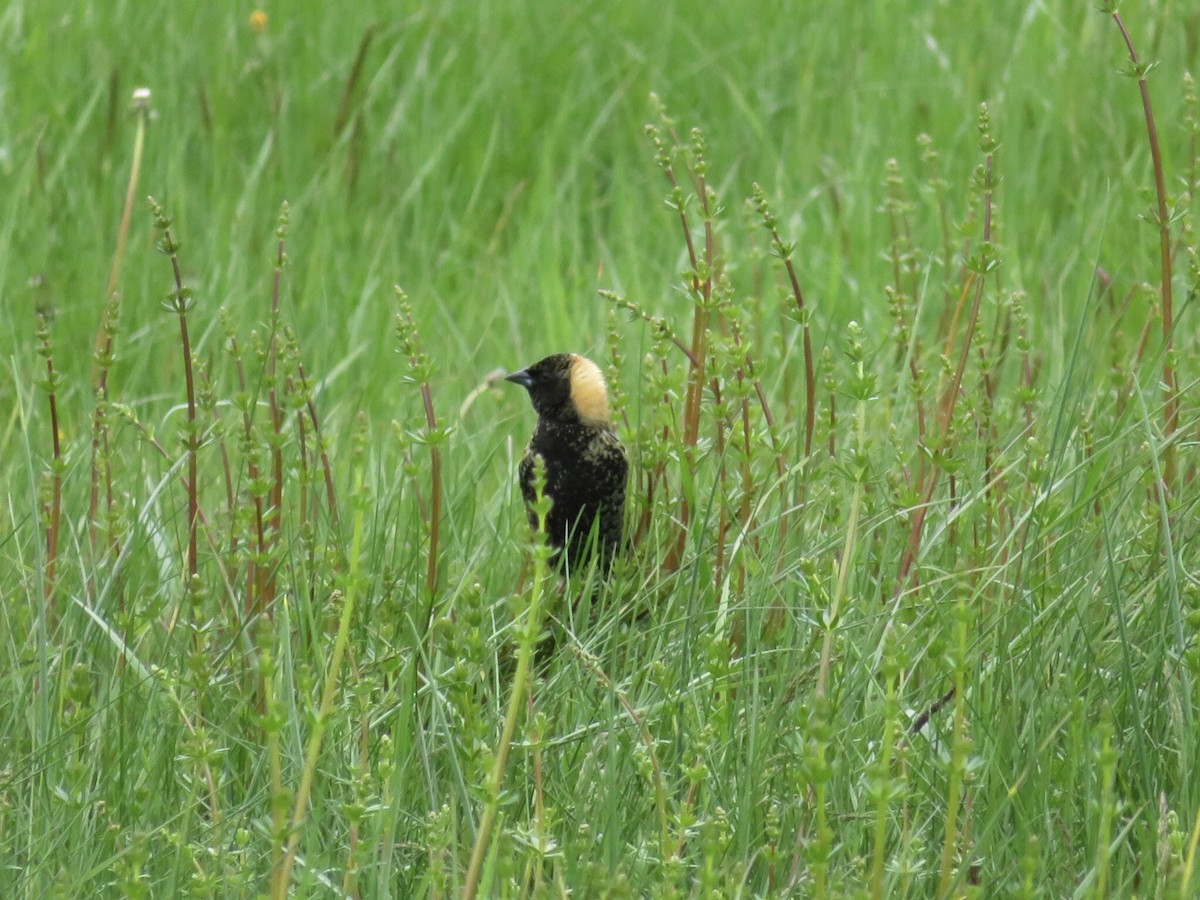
(521, 377)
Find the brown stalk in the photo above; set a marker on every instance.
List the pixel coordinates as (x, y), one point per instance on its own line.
(435, 491)
(192, 444)
(356, 70)
(420, 369)
(784, 252)
(916, 379)
(302, 442)
(1163, 220)
(654, 477)
(106, 333)
(266, 599)
(101, 470)
(180, 302)
(158, 448)
(748, 484)
(660, 326)
(112, 114)
(722, 479)
(141, 99)
(976, 280)
(700, 321)
(901, 234)
(768, 417)
(326, 467)
(52, 530)
(701, 290)
(938, 184)
(254, 577)
(226, 466)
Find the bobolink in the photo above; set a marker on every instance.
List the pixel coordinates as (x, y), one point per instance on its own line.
(584, 461)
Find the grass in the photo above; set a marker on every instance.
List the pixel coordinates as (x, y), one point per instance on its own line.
(911, 407)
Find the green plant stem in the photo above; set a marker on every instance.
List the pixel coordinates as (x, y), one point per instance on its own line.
(660, 790)
(1189, 866)
(881, 811)
(848, 546)
(103, 340)
(1107, 803)
(283, 875)
(958, 754)
(275, 769)
(516, 699)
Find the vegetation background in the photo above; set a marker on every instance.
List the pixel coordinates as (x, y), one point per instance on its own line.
(269, 606)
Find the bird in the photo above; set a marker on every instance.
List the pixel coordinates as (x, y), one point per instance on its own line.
(584, 461)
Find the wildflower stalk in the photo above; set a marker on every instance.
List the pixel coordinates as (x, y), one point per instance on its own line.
(180, 301)
(785, 251)
(657, 323)
(107, 330)
(326, 465)
(56, 463)
(420, 372)
(862, 387)
(268, 586)
(1162, 219)
(700, 288)
(979, 265)
(257, 558)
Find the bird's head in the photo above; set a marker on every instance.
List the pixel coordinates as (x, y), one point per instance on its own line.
(565, 386)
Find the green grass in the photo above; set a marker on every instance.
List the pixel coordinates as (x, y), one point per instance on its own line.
(949, 649)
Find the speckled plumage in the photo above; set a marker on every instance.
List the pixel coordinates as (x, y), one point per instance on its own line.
(585, 463)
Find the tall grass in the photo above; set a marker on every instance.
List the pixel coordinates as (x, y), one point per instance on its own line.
(907, 386)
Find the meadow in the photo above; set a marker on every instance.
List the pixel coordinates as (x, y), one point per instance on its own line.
(895, 301)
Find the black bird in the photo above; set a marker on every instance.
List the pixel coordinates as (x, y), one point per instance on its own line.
(584, 461)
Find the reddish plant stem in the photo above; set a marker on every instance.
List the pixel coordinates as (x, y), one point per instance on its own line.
(254, 578)
(784, 252)
(193, 436)
(658, 472)
(326, 467)
(722, 480)
(1170, 385)
(435, 489)
(52, 530)
(950, 398)
(701, 290)
(266, 600)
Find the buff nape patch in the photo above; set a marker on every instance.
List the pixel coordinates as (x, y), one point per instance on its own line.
(589, 392)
